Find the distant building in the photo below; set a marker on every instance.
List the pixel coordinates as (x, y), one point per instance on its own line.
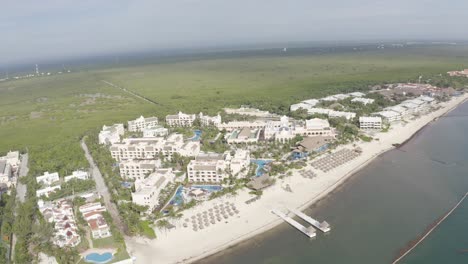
(244, 110)
(459, 73)
(147, 190)
(284, 130)
(357, 94)
(209, 120)
(92, 213)
(13, 159)
(237, 125)
(389, 116)
(244, 135)
(79, 174)
(5, 172)
(364, 101)
(111, 134)
(370, 122)
(138, 169)
(180, 120)
(48, 178)
(141, 123)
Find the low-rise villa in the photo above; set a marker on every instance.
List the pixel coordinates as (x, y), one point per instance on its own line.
(92, 214)
(48, 178)
(79, 174)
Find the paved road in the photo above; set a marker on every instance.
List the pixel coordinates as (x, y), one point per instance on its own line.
(23, 171)
(103, 190)
(130, 92)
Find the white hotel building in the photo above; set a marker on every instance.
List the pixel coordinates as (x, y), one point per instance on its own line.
(370, 122)
(214, 167)
(147, 190)
(284, 130)
(138, 169)
(180, 119)
(155, 131)
(151, 148)
(209, 120)
(140, 123)
(111, 134)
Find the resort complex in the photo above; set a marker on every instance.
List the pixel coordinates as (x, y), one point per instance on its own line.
(191, 176)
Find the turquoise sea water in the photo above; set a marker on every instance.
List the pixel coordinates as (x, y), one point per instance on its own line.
(383, 207)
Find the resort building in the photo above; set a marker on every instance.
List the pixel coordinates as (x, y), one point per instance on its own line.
(137, 148)
(61, 214)
(147, 190)
(310, 145)
(240, 163)
(214, 167)
(331, 113)
(244, 110)
(209, 120)
(47, 190)
(48, 178)
(5, 172)
(364, 101)
(140, 123)
(155, 131)
(111, 134)
(295, 107)
(79, 174)
(357, 94)
(244, 135)
(370, 122)
(92, 213)
(284, 130)
(138, 169)
(180, 120)
(463, 73)
(151, 148)
(402, 111)
(428, 100)
(13, 159)
(237, 125)
(389, 116)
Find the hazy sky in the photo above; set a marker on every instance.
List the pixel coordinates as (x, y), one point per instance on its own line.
(31, 29)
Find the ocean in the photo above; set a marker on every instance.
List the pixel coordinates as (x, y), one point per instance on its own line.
(383, 207)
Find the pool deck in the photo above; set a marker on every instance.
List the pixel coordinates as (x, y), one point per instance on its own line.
(98, 250)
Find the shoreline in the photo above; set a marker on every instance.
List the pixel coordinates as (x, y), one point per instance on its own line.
(320, 188)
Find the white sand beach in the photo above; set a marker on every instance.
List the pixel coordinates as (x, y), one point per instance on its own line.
(184, 245)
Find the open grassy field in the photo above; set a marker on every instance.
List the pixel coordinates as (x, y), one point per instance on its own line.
(48, 115)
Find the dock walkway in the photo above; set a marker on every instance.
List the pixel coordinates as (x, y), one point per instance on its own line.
(324, 226)
(310, 232)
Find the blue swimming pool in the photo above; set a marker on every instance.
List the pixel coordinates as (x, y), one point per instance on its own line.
(260, 165)
(178, 198)
(210, 188)
(98, 258)
(197, 135)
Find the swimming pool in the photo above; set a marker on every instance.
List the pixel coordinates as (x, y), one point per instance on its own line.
(98, 258)
(197, 135)
(179, 199)
(260, 165)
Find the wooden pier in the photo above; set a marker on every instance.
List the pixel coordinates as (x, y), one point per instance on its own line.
(324, 226)
(310, 232)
